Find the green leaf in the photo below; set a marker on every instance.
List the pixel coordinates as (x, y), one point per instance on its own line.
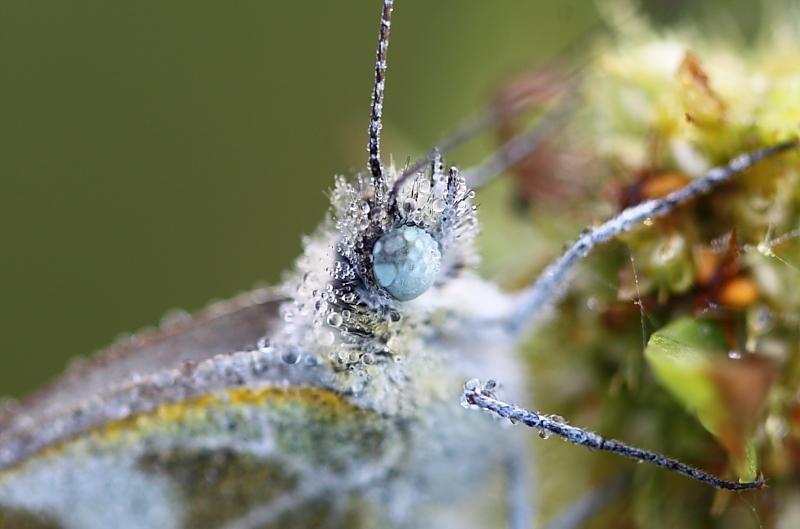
(688, 357)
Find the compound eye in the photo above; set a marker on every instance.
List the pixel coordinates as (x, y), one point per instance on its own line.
(405, 262)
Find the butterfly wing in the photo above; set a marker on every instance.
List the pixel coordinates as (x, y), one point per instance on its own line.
(194, 426)
(175, 428)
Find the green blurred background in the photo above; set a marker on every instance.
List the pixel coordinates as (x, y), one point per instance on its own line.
(158, 155)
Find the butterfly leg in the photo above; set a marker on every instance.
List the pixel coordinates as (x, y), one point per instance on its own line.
(553, 280)
(481, 396)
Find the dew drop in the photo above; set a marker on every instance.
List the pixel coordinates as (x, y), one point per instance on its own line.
(264, 345)
(377, 214)
(163, 380)
(544, 434)
(311, 360)
(291, 355)
(438, 205)
(174, 318)
(324, 336)
(334, 319)
(10, 405)
(472, 384)
(776, 427)
(321, 306)
(367, 359)
(409, 205)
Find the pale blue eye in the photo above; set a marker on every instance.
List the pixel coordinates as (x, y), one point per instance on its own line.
(405, 262)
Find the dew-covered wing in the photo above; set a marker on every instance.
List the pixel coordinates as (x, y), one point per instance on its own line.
(188, 426)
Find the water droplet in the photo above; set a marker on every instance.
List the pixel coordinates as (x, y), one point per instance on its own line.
(264, 345)
(544, 434)
(764, 249)
(187, 367)
(321, 306)
(10, 405)
(377, 214)
(174, 318)
(324, 336)
(734, 355)
(438, 205)
(367, 359)
(163, 380)
(291, 355)
(311, 360)
(776, 427)
(472, 384)
(334, 319)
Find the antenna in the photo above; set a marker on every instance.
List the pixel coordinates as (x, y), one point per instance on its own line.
(375, 124)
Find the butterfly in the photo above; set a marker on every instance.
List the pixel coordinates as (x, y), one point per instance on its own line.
(342, 387)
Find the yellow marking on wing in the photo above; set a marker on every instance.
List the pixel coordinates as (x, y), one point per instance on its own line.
(321, 404)
(318, 400)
